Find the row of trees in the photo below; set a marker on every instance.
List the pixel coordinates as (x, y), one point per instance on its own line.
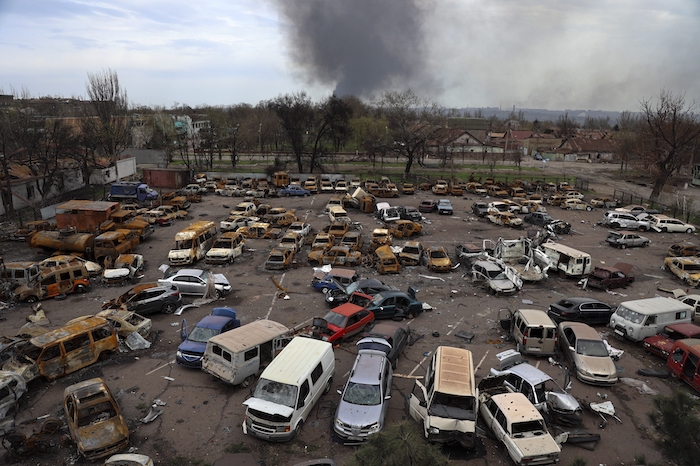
(661, 138)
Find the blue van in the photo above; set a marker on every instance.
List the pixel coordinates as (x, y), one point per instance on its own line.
(191, 350)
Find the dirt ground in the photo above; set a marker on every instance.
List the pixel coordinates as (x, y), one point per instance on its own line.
(202, 418)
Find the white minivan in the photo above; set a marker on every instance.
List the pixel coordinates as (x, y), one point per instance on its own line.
(643, 318)
(288, 389)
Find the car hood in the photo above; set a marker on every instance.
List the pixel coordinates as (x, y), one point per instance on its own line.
(357, 415)
(541, 445)
(219, 252)
(114, 274)
(597, 365)
(192, 347)
(501, 285)
(179, 253)
(220, 279)
(268, 407)
(103, 434)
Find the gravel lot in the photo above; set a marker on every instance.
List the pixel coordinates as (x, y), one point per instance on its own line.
(202, 417)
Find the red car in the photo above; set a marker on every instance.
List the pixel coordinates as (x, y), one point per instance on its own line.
(342, 322)
(662, 343)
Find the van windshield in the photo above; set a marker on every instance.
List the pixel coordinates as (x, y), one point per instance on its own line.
(453, 407)
(276, 392)
(628, 314)
(182, 244)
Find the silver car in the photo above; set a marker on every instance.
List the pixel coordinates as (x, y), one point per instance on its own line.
(365, 398)
(195, 282)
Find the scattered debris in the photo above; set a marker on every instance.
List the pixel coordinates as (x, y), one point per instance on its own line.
(641, 387)
(430, 277)
(135, 342)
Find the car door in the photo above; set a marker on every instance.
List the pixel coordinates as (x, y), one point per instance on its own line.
(184, 284)
(385, 309)
(568, 340)
(418, 405)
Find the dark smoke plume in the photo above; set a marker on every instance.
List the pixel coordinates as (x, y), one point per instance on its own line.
(363, 46)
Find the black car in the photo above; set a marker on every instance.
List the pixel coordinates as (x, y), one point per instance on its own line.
(587, 310)
(410, 213)
(396, 305)
(397, 334)
(480, 209)
(368, 286)
(538, 218)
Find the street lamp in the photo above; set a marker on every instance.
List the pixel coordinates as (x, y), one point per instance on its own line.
(260, 137)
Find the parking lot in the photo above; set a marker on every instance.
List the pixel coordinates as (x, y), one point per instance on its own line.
(202, 417)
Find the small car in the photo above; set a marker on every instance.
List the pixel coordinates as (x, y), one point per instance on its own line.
(555, 200)
(440, 187)
(575, 204)
(195, 282)
(587, 310)
(367, 286)
(343, 322)
(444, 207)
(282, 219)
(302, 228)
(494, 190)
(291, 240)
(94, 419)
(389, 336)
(381, 237)
(626, 220)
(573, 195)
(480, 209)
(664, 224)
(587, 353)
(476, 188)
(687, 269)
(364, 400)
(538, 218)
(333, 279)
(337, 230)
(394, 304)
(506, 219)
(428, 205)
(176, 211)
(408, 189)
(353, 240)
(125, 267)
(405, 229)
(542, 391)
(498, 277)
(260, 230)
(340, 186)
(608, 278)
(226, 248)
(279, 259)
(437, 259)
(411, 253)
(636, 209)
(164, 299)
(682, 250)
(191, 351)
(234, 222)
(321, 242)
(126, 322)
(336, 256)
(626, 239)
(246, 209)
(12, 387)
(294, 190)
(410, 213)
(662, 343)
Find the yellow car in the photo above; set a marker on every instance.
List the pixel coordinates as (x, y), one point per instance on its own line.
(685, 268)
(437, 260)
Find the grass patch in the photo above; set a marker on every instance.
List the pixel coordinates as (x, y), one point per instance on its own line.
(237, 448)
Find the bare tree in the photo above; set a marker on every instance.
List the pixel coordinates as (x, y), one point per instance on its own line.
(111, 105)
(295, 113)
(567, 126)
(411, 121)
(331, 125)
(669, 132)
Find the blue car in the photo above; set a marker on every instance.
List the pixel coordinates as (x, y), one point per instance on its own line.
(191, 350)
(294, 190)
(329, 281)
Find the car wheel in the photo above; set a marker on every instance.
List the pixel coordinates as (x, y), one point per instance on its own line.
(645, 244)
(689, 230)
(168, 308)
(248, 381)
(411, 315)
(615, 225)
(297, 429)
(31, 299)
(589, 208)
(623, 246)
(328, 386)
(287, 195)
(664, 230)
(218, 294)
(325, 290)
(80, 289)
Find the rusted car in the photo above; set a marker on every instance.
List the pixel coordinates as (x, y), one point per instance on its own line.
(62, 351)
(411, 253)
(405, 229)
(94, 419)
(12, 387)
(260, 230)
(607, 278)
(682, 250)
(279, 259)
(126, 267)
(662, 343)
(506, 219)
(337, 255)
(437, 259)
(381, 237)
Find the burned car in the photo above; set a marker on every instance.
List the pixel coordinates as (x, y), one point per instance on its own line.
(607, 278)
(126, 267)
(368, 286)
(498, 277)
(94, 419)
(12, 387)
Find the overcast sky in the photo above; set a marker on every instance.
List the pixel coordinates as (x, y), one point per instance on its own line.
(553, 54)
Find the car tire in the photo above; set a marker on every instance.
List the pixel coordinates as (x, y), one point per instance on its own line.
(325, 290)
(589, 208)
(664, 230)
(297, 429)
(80, 289)
(328, 386)
(616, 225)
(689, 230)
(31, 299)
(645, 244)
(168, 308)
(623, 246)
(248, 381)
(218, 294)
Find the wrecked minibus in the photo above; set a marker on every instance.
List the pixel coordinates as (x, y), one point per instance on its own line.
(239, 355)
(64, 350)
(289, 389)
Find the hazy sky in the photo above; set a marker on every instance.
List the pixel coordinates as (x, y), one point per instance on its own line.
(554, 54)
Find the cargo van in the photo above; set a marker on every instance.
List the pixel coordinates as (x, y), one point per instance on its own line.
(641, 318)
(64, 350)
(19, 273)
(239, 355)
(684, 361)
(569, 261)
(533, 330)
(446, 403)
(55, 281)
(289, 389)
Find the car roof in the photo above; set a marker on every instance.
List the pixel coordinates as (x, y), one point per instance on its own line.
(387, 328)
(215, 322)
(581, 300)
(685, 328)
(581, 330)
(536, 317)
(347, 309)
(368, 367)
(195, 272)
(516, 407)
(529, 373)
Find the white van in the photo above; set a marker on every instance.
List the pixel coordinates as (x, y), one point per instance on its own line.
(289, 389)
(239, 355)
(338, 214)
(569, 261)
(643, 318)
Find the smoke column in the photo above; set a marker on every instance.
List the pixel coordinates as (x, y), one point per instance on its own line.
(363, 46)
